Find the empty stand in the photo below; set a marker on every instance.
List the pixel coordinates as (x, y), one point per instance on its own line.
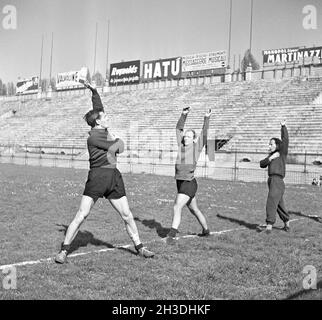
(245, 113)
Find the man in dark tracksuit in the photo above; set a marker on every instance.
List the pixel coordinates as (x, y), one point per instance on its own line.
(104, 179)
(189, 150)
(276, 162)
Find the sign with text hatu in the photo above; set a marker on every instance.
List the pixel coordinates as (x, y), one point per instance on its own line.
(124, 73)
(161, 69)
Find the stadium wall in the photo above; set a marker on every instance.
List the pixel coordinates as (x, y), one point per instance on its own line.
(274, 73)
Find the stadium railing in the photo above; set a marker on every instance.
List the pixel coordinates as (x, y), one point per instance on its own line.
(235, 165)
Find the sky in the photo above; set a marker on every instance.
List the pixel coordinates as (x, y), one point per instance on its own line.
(144, 30)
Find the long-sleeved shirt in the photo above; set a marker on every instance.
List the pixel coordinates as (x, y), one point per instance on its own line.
(188, 156)
(277, 166)
(103, 149)
(96, 100)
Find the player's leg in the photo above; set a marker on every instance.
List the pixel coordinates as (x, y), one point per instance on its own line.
(283, 214)
(83, 211)
(193, 207)
(273, 198)
(121, 205)
(180, 201)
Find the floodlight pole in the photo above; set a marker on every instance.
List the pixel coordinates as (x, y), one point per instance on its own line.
(251, 26)
(229, 37)
(41, 54)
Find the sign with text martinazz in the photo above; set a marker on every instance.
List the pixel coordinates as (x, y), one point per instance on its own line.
(292, 56)
(124, 73)
(161, 69)
(204, 61)
(27, 86)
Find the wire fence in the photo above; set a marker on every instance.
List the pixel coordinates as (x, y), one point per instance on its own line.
(235, 165)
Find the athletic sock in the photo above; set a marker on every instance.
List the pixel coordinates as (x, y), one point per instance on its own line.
(287, 224)
(138, 247)
(269, 227)
(65, 247)
(172, 233)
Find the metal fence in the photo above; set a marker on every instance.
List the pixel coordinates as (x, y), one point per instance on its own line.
(236, 165)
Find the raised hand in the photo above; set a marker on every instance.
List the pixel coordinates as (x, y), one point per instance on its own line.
(88, 85)
(208, 113)
(112, 135)
(186, 110)
(283, 122)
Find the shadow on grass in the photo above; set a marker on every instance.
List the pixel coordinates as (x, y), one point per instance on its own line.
(152, 224)
(251, 226)
(312, 217)
(83, 238)
(132, 251)
(302, 292)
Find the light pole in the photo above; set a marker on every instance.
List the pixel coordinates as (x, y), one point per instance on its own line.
(107, 49)
(229, 37)
(251, 26)
(41, 53)
(51, 59)
(95, 51)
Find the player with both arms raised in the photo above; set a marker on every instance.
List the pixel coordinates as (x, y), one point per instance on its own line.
(189, 150)
(104, 179)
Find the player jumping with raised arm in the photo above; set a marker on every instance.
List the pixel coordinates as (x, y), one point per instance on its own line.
(104, 179)
(276, 162)
(189, 150)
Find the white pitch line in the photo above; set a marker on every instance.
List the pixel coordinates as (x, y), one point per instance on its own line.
(25, 263)
(97, 251)
(213, 232)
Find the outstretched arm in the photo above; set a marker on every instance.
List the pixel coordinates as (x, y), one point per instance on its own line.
(96, 99)
(284, 138)
(180, 124)
(202, 139)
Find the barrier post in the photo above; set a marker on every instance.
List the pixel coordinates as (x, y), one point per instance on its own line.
(235, 166)
(26, 162)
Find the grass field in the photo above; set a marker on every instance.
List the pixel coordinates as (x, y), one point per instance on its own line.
(37, 204)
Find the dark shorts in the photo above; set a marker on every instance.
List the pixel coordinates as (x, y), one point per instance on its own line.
(103, 182)
(188, 188)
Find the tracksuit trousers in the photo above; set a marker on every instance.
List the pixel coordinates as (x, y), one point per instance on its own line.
(275, 202)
